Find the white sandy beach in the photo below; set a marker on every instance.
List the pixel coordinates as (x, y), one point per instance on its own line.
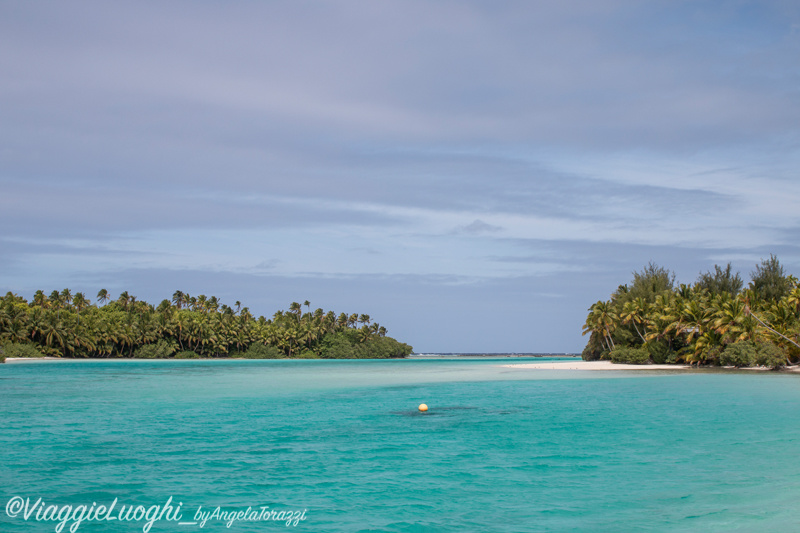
(34, 359)
(568, 365)
(593, 365)
(608, 365)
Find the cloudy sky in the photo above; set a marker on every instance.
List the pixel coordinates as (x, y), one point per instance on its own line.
(473, 175)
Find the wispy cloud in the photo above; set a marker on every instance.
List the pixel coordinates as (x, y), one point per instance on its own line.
(478, 227)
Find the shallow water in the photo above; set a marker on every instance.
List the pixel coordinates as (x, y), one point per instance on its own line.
(500, 449)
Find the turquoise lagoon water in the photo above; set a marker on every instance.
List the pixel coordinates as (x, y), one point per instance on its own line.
(500, 449)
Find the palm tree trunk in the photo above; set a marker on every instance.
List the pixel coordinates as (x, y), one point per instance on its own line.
(751, 313)
(640, 335)
(609, 338)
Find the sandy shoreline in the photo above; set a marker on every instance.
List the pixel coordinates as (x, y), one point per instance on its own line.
(33, 359)
(570, 365)
(593, 365)
(567, 365)
(608, 365)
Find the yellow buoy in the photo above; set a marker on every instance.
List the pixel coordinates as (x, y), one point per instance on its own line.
(423, 407)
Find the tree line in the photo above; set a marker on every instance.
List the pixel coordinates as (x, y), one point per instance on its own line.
(64, 324)
(714, 321)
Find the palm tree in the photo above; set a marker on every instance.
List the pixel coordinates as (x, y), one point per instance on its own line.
(768, 327)
(241, 338)
(66, 296)
(288, 340)
(363, 333)
(165, 322)
(703, 347)
(601, 319)
(793, 298)
(15, 331)
(593, 326)
(183, 321)
(178, 298)
(635, 312)
(84, 343)
(54, 300)
(14, 323)
(39, 299)
(55, 335)
(732, 321)
(79, 301)
(10, 297)
(36, 322)
(102, 296)
(124, 299)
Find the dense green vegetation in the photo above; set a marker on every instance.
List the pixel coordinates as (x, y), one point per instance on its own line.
(712, 322)
(67, 325)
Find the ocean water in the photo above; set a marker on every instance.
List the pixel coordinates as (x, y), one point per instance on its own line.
(501, 449)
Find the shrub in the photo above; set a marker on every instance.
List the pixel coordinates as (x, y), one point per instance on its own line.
(337, 346)
(345, 345)
(713, 354)
(14, 349)
(159, 350)
(382, 348)
(633, 356)
(738, 354)
(660, 352)
(594, 348)
(187, 354)
(257, 350)
(769, 355)
(307, 354)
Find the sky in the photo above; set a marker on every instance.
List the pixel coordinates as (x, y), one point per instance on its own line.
(473, 175)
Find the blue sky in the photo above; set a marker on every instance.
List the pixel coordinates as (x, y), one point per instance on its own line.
(473, 175)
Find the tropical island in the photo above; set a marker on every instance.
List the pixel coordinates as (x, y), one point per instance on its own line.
(714, 321)
(69, 325)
